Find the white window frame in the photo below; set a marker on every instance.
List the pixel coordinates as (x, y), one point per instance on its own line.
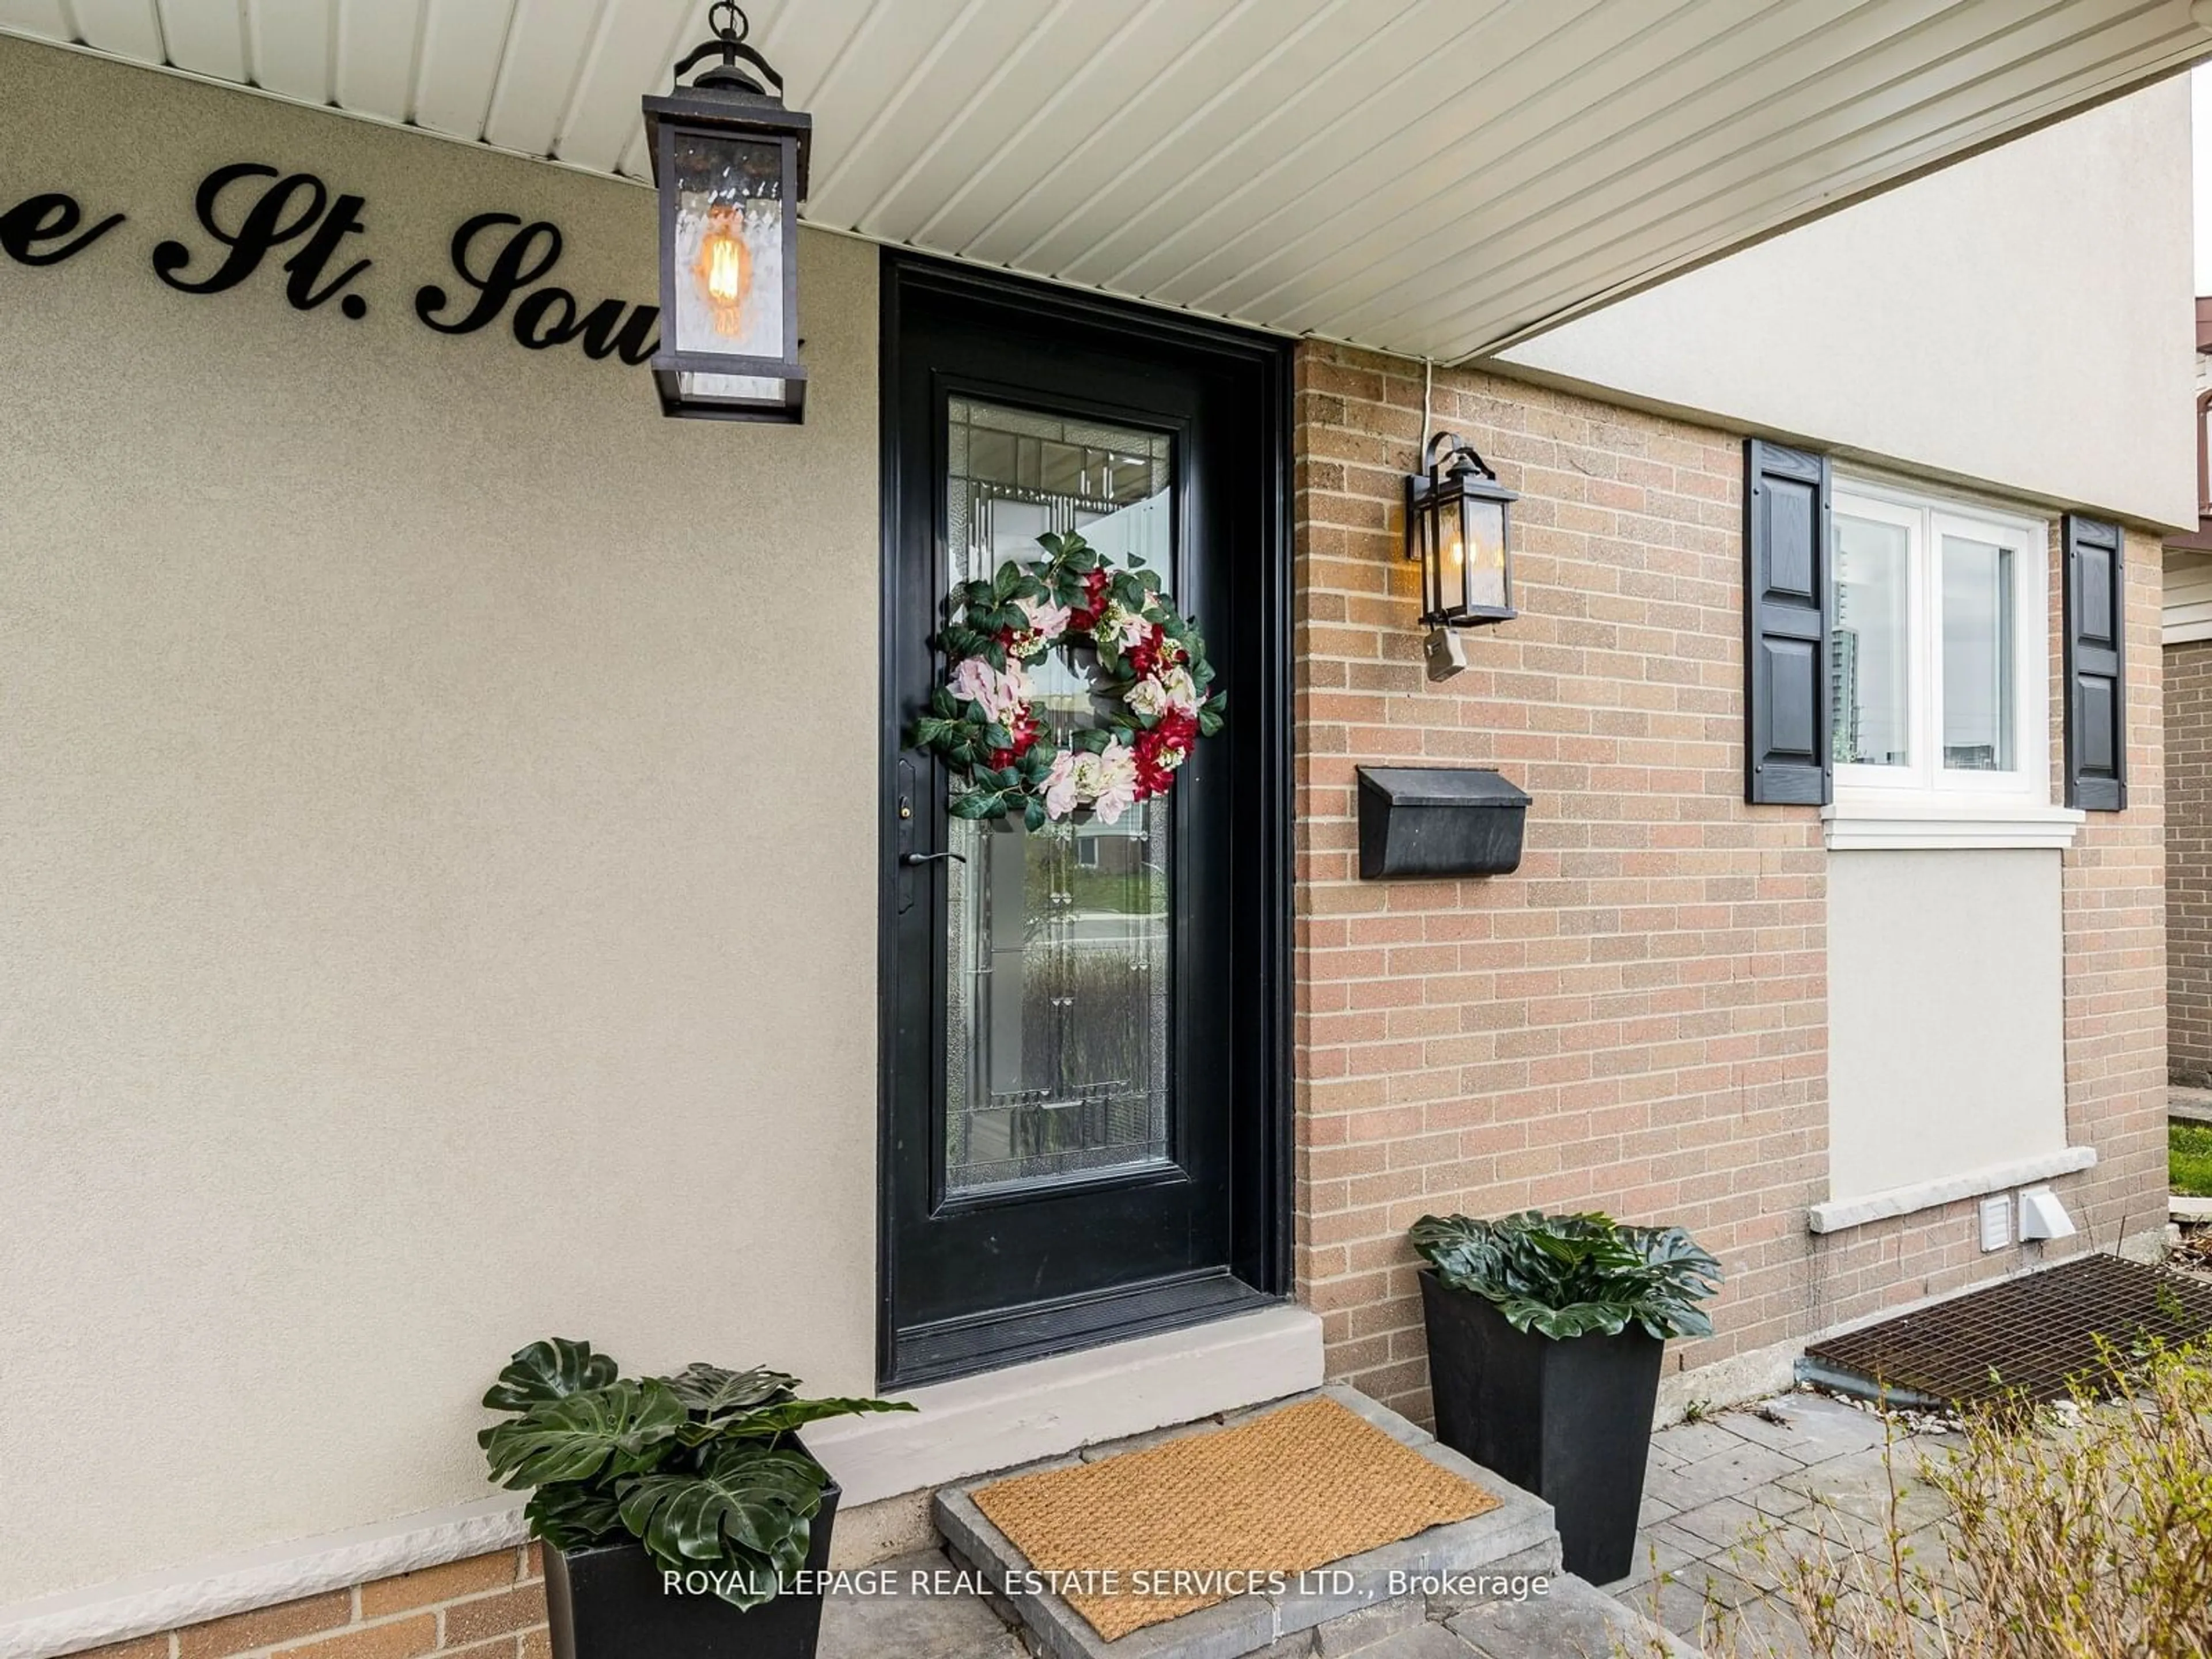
(1926, 804)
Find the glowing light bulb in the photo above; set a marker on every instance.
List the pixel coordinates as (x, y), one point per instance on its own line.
(724, 270)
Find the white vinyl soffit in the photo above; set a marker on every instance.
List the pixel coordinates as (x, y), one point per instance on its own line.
(1427, 179)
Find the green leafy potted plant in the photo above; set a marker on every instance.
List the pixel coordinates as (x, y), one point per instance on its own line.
(676, 1511)
(1546, 1334)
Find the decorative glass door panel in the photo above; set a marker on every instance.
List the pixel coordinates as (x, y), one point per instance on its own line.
(1060, 982)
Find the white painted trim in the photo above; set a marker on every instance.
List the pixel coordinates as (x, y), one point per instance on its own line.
(117, 1610)
(1836, 1215)
(1861, 827)
(979, 1423)
(1051, 1407)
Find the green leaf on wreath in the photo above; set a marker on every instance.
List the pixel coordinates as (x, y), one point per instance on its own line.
(1033, 814)
(973, 804)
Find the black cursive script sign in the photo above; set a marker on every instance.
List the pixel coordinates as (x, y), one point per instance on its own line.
(547, 317)
(27, 229)
(252, 211)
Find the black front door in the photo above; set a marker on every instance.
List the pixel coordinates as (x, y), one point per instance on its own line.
(1085, 1093)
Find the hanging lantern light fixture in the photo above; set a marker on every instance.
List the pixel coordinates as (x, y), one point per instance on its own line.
(1459, 526)
(730, 163)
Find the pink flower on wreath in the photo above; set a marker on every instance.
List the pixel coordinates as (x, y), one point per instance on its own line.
(1105, 781)
(1060, 785)
(1180, 689)
(1115, 791)
(1149, 698)
(1002, 695)
(1128, 629)
(1048, 621)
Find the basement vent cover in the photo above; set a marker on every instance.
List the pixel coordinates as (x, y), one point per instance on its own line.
(2026, 1335)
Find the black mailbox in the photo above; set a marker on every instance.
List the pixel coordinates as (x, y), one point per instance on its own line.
(1438, 821)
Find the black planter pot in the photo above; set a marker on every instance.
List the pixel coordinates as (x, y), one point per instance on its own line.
(607, 1602)
(1570, 1421)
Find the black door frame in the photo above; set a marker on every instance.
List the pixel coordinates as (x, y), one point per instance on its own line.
(1261, 1104)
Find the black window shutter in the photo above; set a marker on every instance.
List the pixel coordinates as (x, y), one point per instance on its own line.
(1786, 557)
(2096, 665)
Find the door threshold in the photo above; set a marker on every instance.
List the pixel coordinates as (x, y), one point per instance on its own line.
(1047, 1407)
(984, 1342)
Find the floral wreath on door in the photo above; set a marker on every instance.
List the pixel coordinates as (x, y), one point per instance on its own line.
(1152, 672)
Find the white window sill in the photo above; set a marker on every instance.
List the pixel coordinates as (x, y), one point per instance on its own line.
(1862, 825)
(1837, 1214)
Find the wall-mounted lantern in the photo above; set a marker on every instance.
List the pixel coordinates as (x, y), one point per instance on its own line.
(1459, 526)
(730, 164)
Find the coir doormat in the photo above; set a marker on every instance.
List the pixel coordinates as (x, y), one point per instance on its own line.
(1294, 1490)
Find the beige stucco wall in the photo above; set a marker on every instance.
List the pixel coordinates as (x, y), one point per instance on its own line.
(1946, 1014)
(438, 818)
(2021, 319)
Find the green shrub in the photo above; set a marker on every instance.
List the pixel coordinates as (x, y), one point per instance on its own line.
(2082, 1531)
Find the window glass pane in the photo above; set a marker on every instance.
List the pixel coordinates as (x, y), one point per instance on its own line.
(1056, 1016)
(1871, 696)
(1978, 659)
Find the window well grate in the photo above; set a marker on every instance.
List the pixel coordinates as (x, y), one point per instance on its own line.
(2026, 1335)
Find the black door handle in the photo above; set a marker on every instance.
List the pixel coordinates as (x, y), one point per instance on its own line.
(909, 860)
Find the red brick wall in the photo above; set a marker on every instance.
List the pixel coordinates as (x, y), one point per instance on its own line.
(2188, 705)
(490, 1607)
(1636, 1019)
(2115, 947)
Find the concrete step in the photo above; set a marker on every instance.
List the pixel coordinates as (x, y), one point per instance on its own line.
(914, 1612)
(2189, 1105)
(1490, 1586)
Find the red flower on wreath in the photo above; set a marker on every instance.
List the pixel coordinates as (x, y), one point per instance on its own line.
(1025, 729)
(1161, 749)
(1144, 656)
(1085, 616)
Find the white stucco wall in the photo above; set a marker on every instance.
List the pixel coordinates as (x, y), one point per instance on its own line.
(1946, 1015)
(438, 811)
(2021, 319)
